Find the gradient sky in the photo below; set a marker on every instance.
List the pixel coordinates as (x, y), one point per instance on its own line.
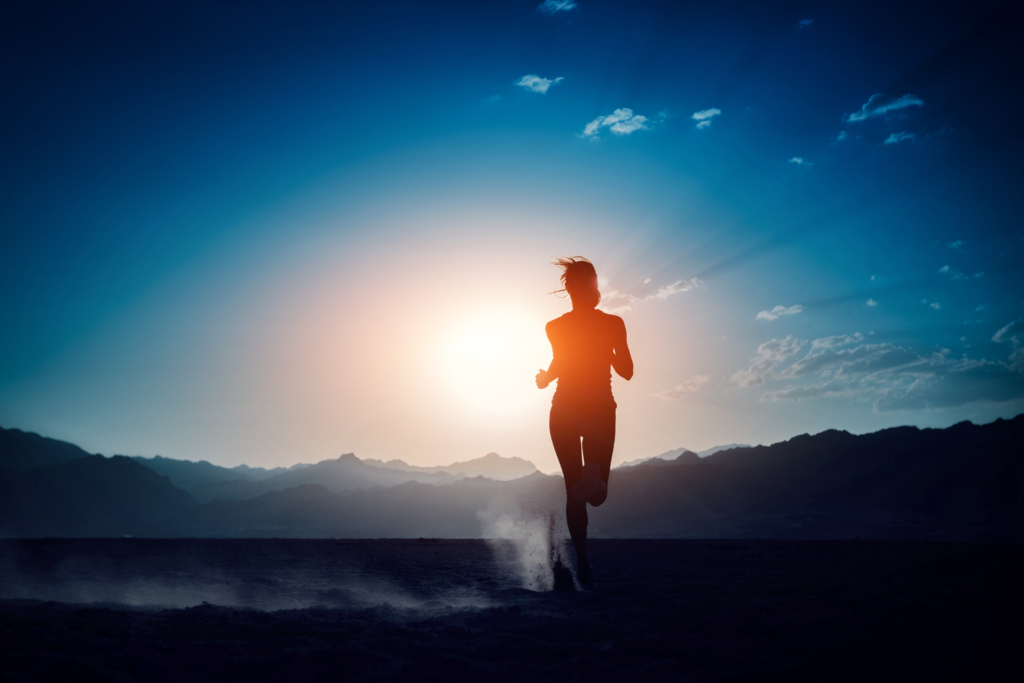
(277, 232)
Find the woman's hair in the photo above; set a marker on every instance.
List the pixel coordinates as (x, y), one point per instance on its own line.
(575, 269)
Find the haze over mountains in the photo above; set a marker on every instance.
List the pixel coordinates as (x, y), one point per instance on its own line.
(965, 482)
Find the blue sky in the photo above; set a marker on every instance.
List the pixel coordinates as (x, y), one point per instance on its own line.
(249, 232)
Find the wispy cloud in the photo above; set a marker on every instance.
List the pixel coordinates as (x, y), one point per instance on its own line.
(957, 275)
(897, 138)
(839, 138)
(614, 301)
(879, 105)
(1005, 333)
(872, 302)
(620, 122)
(770, 355)
(537, 84)
(680, 390)
(703, 117)
(893, 377)
(958, 245)
(551, 7)
(800, 161)
(1013, 334)
(804, 23)
(778, 312)
(935, 304)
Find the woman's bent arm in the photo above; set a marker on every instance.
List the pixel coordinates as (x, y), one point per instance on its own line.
(622, 361)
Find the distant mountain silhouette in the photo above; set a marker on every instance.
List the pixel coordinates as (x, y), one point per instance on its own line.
(349, 472)
(491, 466)
(961, 483)
(964, 483)
(261, 473)
(22, 450)
(91, 496)
(189, 475)
(676, 452)
(675, 457)
(727, 447)
(186, 474)
(341, 474)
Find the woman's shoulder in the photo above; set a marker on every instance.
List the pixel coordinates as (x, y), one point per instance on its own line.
(612, 320)
(557, 322)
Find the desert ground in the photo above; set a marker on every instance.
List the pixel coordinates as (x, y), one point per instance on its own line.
(693, 610)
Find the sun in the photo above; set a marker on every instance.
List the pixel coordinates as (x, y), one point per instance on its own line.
(489, 359)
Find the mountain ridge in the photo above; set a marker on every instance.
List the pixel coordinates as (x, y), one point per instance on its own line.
(896, 483)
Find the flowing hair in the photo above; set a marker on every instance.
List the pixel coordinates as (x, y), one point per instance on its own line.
(574, 269)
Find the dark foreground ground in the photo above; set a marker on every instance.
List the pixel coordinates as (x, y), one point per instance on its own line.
(386, 610)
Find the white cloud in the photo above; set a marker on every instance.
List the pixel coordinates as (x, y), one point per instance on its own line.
(493, 99)
(981, 307)
(675, 288)
(936, 305)
(551, 7)
(778, 312)
(1012, 334)
(957, 275)
(894, 378)
(842, 136)
(647, 281)
(872, 302)
(804, 23)
(769, 356)
(1003, 334)
(703, 117)
(620, 122)
(897, 138)
(879, 105)
(614, 301)
(537, 84)
(957, 244)
(799, 161)
(686, 387)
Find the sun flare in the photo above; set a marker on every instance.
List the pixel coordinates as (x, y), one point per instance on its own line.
(489, 359)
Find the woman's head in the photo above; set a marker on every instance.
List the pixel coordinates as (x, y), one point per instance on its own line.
(579, 279)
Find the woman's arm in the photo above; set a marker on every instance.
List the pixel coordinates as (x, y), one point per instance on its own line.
(622, 361)
(546, 377)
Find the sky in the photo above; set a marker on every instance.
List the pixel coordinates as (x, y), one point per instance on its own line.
(272, 233)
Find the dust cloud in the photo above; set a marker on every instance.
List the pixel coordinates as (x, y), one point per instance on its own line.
(525, 542)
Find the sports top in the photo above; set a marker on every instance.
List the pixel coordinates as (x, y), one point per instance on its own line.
(582, 343)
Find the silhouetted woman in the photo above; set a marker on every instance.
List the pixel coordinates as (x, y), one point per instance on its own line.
(585, 343)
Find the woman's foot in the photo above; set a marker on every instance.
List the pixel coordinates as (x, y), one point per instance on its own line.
(590, 488)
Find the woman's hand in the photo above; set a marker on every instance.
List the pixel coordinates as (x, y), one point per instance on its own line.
(543, 379)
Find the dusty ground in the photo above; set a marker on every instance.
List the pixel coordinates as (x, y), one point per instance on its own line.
(382, 610)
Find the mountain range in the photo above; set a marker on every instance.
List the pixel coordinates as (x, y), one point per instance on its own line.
(676, 452)
(965, 482)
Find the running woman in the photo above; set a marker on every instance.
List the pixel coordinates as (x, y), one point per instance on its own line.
(585, 343)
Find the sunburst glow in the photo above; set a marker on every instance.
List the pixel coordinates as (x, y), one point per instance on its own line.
(489, 358)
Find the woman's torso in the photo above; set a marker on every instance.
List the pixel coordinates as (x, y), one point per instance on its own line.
(583, 343)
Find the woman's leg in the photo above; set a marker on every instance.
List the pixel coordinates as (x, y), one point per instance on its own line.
(565, 437)
(598, 444)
